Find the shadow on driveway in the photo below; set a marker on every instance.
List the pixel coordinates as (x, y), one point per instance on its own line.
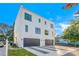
(68, 54)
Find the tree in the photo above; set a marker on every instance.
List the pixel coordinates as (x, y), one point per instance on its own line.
(69, 5)
(10, 34)
(6, 33)
(71, 34)
(6, 30)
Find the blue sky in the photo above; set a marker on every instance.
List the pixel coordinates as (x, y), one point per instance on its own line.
(51, 11)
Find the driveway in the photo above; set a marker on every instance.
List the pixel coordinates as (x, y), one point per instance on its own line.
(54, 51)
(3, 51)
(43, 51)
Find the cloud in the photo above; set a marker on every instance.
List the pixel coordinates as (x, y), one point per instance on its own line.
(58, 18)
(60, 27)
(64, 26)
(58, 30)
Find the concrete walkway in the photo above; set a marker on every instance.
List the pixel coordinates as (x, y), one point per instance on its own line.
(3, 51)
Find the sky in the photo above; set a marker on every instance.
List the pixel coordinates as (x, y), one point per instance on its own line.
(51, 11)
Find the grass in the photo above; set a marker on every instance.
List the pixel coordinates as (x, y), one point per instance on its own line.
(19, 52)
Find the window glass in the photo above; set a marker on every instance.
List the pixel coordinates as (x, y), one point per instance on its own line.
(37, 30)
(27, 17)
(51, 25)
(46, 32)
(26, 28)
(39, 20)
(45, 22)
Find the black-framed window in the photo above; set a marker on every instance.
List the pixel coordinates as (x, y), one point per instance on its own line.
(39, 20)
(46, 32)
(27, 17)
(45, 22)
(51, 25)
(26, 28)
(37, 30)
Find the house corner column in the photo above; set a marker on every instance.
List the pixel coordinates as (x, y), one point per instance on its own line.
(42, 42)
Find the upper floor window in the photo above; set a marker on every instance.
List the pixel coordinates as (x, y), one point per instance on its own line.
(37, 30)
(45, 22)
(39, 20)
(27, 17)
(46, 32)
(51, 25)
(26, 28)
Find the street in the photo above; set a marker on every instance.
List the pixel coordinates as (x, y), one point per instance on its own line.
(67, 51)
(3, 51)
(73, 53)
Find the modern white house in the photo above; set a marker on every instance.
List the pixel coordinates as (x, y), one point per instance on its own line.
(31, 29)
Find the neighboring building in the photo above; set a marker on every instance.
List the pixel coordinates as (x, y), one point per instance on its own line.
(76, 15)
(31, 29)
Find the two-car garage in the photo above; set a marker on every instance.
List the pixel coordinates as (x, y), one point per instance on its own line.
(48, 42)
(31, 42)
(36, 42)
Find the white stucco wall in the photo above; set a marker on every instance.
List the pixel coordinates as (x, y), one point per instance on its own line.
(19, 28)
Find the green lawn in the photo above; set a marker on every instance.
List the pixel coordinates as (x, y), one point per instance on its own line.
(19, 52)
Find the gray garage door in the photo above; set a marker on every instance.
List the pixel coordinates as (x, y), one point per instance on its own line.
(31, 42)
(48, 42)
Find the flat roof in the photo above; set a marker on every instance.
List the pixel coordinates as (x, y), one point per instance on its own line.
(37, 14)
